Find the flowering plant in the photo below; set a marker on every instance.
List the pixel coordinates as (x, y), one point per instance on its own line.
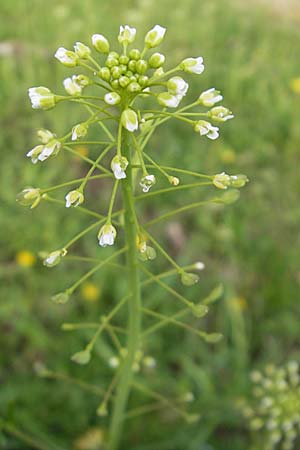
(125, 128)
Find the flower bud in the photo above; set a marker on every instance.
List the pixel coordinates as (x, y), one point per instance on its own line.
(238, 181)
(199, 310)
(115, 84)
(118, 166)
(206, 129)
(174, 181)
(143, 80)
(155, 36)
(210, 97)
(213, 338)
(100, 43)
(222, 180)
(134, 87)
(71, 86)
(81, 80)
(41, 98)
(124, 59)
(78, 131)
(158, 73)
(102, 410)
(220, 114)
(168, 100)
(66, 57)
(29, 197)
(61, 298)
(124, 81)
(156, 60)
(141, 66)
(126, 35)
(107, 235)
(54, 258)
(134, 54)
(104, 73)
(177, 86)
(82, 357)
(129, 120)
(112, 98)
(111, 62)
(45, 135)
(74, 198)
(147, 182)
(192, 65)
(116, 72)
(132, 65)
(82, 50)
(188, 279)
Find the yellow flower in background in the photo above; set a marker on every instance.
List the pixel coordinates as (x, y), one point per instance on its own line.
(90, 292)
(228, 156)
(25, 258)
(239, 303)
(82, 150)
(92, 439)
(295, 85)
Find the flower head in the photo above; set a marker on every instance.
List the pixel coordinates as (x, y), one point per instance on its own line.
(78, 131)
(71, 86)
(66, 57)
(29, 197)
(220, 114)
(129, 120)
(41, 98)
(74, 198)
(100, 43)
(192, 65)
(177, 86)
(210, 97)
(118, 166)
(206, 129)
(147, 182)
(107, 235)
(155, 36)
(126, 34)
(54, 258)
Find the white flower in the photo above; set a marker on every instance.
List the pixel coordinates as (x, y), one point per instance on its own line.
(193, 65)
(206, 129)
(168, 100)
(112, 98)
(177, 86)
(79, 130)
(71, 86)
(54, 258)
(155, 36)
(220, 114)
(107, 235)
(126, 35)
(50, 149)
(82, 50)
(66, 57)
(74, 198)
(118, 166)
(147, 182)
(129, 120)
(45, 135)
(222, 180)
(100, 43)
(41, 97)
(34, 153)
(210, 97)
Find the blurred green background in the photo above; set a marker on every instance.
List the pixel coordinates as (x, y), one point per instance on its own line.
(252, 54)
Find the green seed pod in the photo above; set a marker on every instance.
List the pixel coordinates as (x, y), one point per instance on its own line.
(104, 73)
(116, 72)
(141, 66)
(124, 81)
(135, 54)
(132, 65)
(134, 87)
(124, 59)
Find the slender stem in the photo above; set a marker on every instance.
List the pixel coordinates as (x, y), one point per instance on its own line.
(134, 310)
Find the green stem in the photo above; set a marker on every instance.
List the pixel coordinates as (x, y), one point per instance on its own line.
(134, 302)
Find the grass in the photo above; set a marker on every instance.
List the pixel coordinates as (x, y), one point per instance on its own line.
(252, 247)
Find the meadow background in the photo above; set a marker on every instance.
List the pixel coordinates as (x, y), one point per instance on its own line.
(252, 54)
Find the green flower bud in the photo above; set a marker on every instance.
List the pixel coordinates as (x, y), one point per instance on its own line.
(188, 279)
(82, 80)
(135, 54)
(132, 65)
(74, 198)
(220, 114)
(238, 181)
(199, 310)
(104, 73)
(112, 98)
(158, 73)
(156, 60)
(100, 43)
(123, 68)
(81, 50)
(54, 258)
(115, 84)
(213, 338)
(29, 197)
(78, 131)
(61, 298)
(126, 35)
(124, 59)
(143, 80)
(155, 36)
(111, 62)
(102, 410)
(82, 357)
(141, 66)
(222, 180)
(129, 120)
(134, 87)
(116, 72)
(45, 136)
(124, 81)
(129, 73)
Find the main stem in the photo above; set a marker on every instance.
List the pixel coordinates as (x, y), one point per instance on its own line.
(134, 306)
